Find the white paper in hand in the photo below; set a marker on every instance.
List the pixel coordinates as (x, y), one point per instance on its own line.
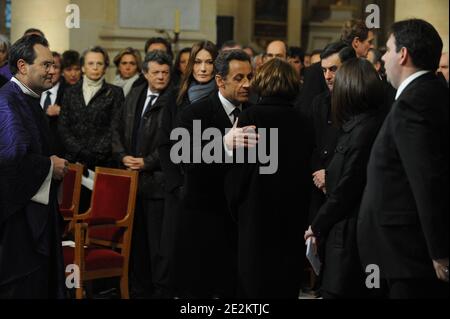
(88, 182)
(312, 257)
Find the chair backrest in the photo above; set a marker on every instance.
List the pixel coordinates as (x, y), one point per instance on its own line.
(71, 189)
(113, 199)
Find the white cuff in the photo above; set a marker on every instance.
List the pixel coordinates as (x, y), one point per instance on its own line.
(43, 194)
(227, 151)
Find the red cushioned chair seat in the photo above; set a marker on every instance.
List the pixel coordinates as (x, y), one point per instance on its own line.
(113, 234)
(100, 221)
(95, 258)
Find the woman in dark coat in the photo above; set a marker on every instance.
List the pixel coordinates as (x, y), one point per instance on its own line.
(85, 122)
(356, 103)
(271, 207)
(192, 88)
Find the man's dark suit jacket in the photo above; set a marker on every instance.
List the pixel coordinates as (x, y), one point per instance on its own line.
(403, 221)
(208, 233)
(151, 178)
(56, 144)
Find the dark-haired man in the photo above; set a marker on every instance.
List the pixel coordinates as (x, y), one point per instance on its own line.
(135, 147)
(35, 31)
(357, 35)
(51, 101)
(31, 263)
(404, 221)
(296, 58)
(154, 44)
(324, 132)
(208, 233)
(158, 43)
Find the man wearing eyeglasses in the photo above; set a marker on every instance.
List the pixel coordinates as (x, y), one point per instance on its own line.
(31, 263)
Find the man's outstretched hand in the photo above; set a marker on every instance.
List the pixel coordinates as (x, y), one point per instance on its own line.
(241, 136)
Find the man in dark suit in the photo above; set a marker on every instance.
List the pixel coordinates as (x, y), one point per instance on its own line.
(51, 101)
(208, 235)
(403, 222)
(357, 35)
(325, 132)
(135, 148)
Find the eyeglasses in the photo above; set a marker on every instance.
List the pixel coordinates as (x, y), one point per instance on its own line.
(46, 65)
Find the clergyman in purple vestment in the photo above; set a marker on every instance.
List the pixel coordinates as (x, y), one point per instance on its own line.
(31, 263)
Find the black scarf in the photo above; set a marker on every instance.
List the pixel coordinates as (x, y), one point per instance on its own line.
(198, 91)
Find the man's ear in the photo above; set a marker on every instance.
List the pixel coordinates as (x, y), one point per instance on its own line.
(404, 55)
(22, 66)
(355, 42)
(219, 81)
(145, 75)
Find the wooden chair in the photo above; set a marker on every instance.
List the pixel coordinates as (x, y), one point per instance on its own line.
(71, 185)
(103, 233)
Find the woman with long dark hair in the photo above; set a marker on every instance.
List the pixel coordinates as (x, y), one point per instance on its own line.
(357, 99)
(197, 83)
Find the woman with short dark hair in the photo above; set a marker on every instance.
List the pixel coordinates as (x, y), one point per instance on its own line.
(70, 66)
(271, 208)
(356, 104)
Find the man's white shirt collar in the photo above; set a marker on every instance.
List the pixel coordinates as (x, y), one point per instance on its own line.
(54, 89)
(149, 92)
(54, 93)
(25, 89)
(407, 81)
(228, 106)
(147, 99)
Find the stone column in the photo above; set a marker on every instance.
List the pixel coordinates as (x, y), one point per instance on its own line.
(294, 22)
(433, 11)
(47, 15)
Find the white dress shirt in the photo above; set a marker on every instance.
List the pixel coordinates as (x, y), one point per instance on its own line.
(53, 95)
(149, 96)
(43, 194)
(408, 80)
(229, 108)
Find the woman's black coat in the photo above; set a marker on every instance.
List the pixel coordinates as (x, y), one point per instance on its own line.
(335, 222)
(271, 209)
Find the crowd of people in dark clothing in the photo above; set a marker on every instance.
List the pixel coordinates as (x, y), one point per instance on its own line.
(361, 146)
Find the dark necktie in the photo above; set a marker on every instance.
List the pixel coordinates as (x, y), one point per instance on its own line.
(235, 113)
(140, 131)
(149, 104)
(47, 102)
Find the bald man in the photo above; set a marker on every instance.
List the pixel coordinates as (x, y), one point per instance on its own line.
(276, 49)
